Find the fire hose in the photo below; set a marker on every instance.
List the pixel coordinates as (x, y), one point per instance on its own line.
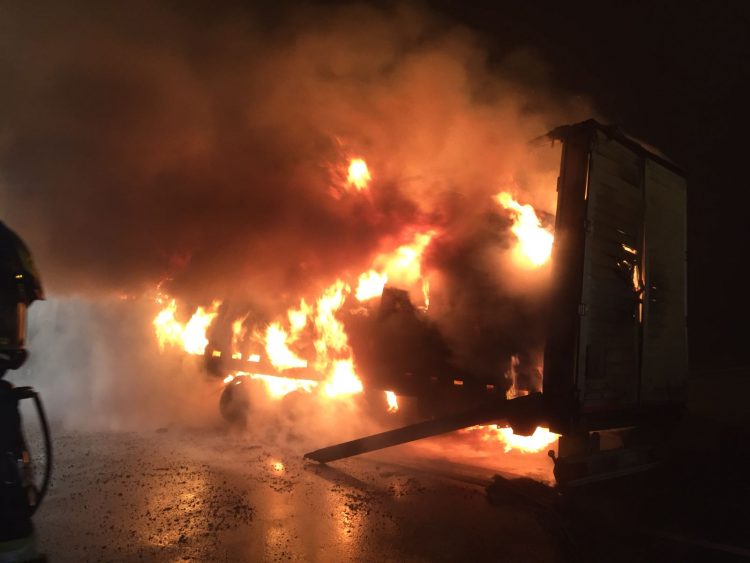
(41, 492)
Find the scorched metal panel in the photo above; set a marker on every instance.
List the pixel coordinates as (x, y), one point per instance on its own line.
(616, 350)
(608, 344)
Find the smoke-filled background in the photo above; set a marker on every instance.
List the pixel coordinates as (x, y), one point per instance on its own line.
(145, 142)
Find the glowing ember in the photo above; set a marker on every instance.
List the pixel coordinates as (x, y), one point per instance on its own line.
(370, 285)
(534, 242)
(636, 279)
(392, 401)
(190, 336)
(359, 174)
(638, 287)
(279, 354)
(540, 439)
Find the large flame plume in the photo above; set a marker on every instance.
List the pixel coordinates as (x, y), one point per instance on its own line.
(333, 357)
(276, 169)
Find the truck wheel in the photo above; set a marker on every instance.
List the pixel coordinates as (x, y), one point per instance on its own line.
(234, 403)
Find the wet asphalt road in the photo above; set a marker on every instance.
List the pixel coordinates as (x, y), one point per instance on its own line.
(207, 496)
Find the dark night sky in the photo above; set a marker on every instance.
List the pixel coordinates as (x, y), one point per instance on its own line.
(676, 75)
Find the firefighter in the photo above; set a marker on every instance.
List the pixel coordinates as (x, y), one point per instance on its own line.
(19, 287)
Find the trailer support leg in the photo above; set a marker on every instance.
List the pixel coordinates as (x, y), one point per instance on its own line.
(521, 409)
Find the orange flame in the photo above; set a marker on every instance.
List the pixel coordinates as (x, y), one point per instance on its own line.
(401, 267)
(333, 357)
(392, 401)
(359, 174)
(298, 317)
(370, 285)
(277, 348)
(534, 242)
(331, 334)
(238, 334)
(190, 336)
(343, 380)
(512, 374)
(404, 265)
(279, 387)
(540, 439)
(332, 342)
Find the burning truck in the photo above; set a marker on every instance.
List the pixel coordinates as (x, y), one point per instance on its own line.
(599, 350)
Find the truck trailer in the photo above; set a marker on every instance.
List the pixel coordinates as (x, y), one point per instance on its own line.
(615, 355)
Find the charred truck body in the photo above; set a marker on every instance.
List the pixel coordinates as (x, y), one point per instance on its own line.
(616, 347)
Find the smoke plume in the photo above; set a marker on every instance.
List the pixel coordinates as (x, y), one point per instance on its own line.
(150, 141)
